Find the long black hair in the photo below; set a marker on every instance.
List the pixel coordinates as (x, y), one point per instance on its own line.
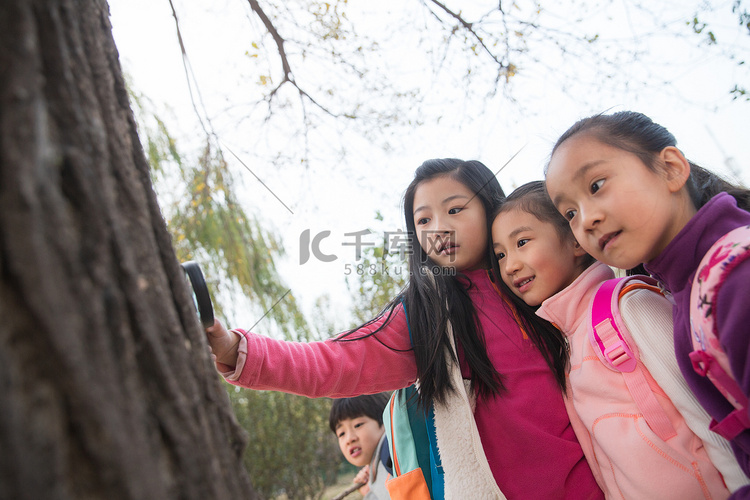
(432, 298)
(436, 297)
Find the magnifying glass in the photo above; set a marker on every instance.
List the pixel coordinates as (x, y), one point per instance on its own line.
(201, 297)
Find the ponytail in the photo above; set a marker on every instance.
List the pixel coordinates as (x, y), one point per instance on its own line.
(704, 185)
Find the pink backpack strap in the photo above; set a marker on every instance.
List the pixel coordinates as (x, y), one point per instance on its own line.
(708, 356)
(611, 339)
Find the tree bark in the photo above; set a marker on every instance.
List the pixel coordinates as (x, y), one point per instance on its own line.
(106, 386)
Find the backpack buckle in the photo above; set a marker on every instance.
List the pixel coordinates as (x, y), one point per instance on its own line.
(701, 362)
(620, 357)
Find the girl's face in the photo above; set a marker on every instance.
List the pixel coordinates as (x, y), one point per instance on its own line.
(451, 224)
(534, 262)
(621, 212)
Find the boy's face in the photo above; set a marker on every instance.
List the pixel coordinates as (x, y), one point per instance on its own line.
(358, 439)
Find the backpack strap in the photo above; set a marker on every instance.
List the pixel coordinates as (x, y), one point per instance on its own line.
(708, 356)
(612, 342)
(406, 442)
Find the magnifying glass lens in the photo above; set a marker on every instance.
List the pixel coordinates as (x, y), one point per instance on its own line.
(201, 297)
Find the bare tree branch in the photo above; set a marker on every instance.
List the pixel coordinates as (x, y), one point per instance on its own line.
(351, 489)
(255, 6)
(188, 75)
(288, 76)
(470, 28)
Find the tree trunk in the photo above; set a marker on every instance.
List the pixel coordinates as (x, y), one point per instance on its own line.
(106, 386)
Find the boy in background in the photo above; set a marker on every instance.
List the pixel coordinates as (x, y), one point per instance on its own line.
(358, 425)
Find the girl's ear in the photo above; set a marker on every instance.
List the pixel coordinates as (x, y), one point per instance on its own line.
(677, 168)
(578, 250)
(581, 257)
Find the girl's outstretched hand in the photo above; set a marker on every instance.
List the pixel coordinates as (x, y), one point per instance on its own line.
(223, 344)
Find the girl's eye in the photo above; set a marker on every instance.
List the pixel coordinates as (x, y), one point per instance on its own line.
(597, 186)
(423, 220)
(499, 255)
(454, 211)
(522, 242)
(570, 214)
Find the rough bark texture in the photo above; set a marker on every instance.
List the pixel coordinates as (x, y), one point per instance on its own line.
(106, 388)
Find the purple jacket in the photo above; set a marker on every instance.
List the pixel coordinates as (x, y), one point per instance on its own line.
(675, 268)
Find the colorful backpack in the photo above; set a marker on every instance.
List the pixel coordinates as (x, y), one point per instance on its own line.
(412, 442)
(458, 469)
(417, 472)
(708, 357)
(418, 466)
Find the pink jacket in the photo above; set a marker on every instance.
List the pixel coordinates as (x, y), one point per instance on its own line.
(525, 431)
(626, 456)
